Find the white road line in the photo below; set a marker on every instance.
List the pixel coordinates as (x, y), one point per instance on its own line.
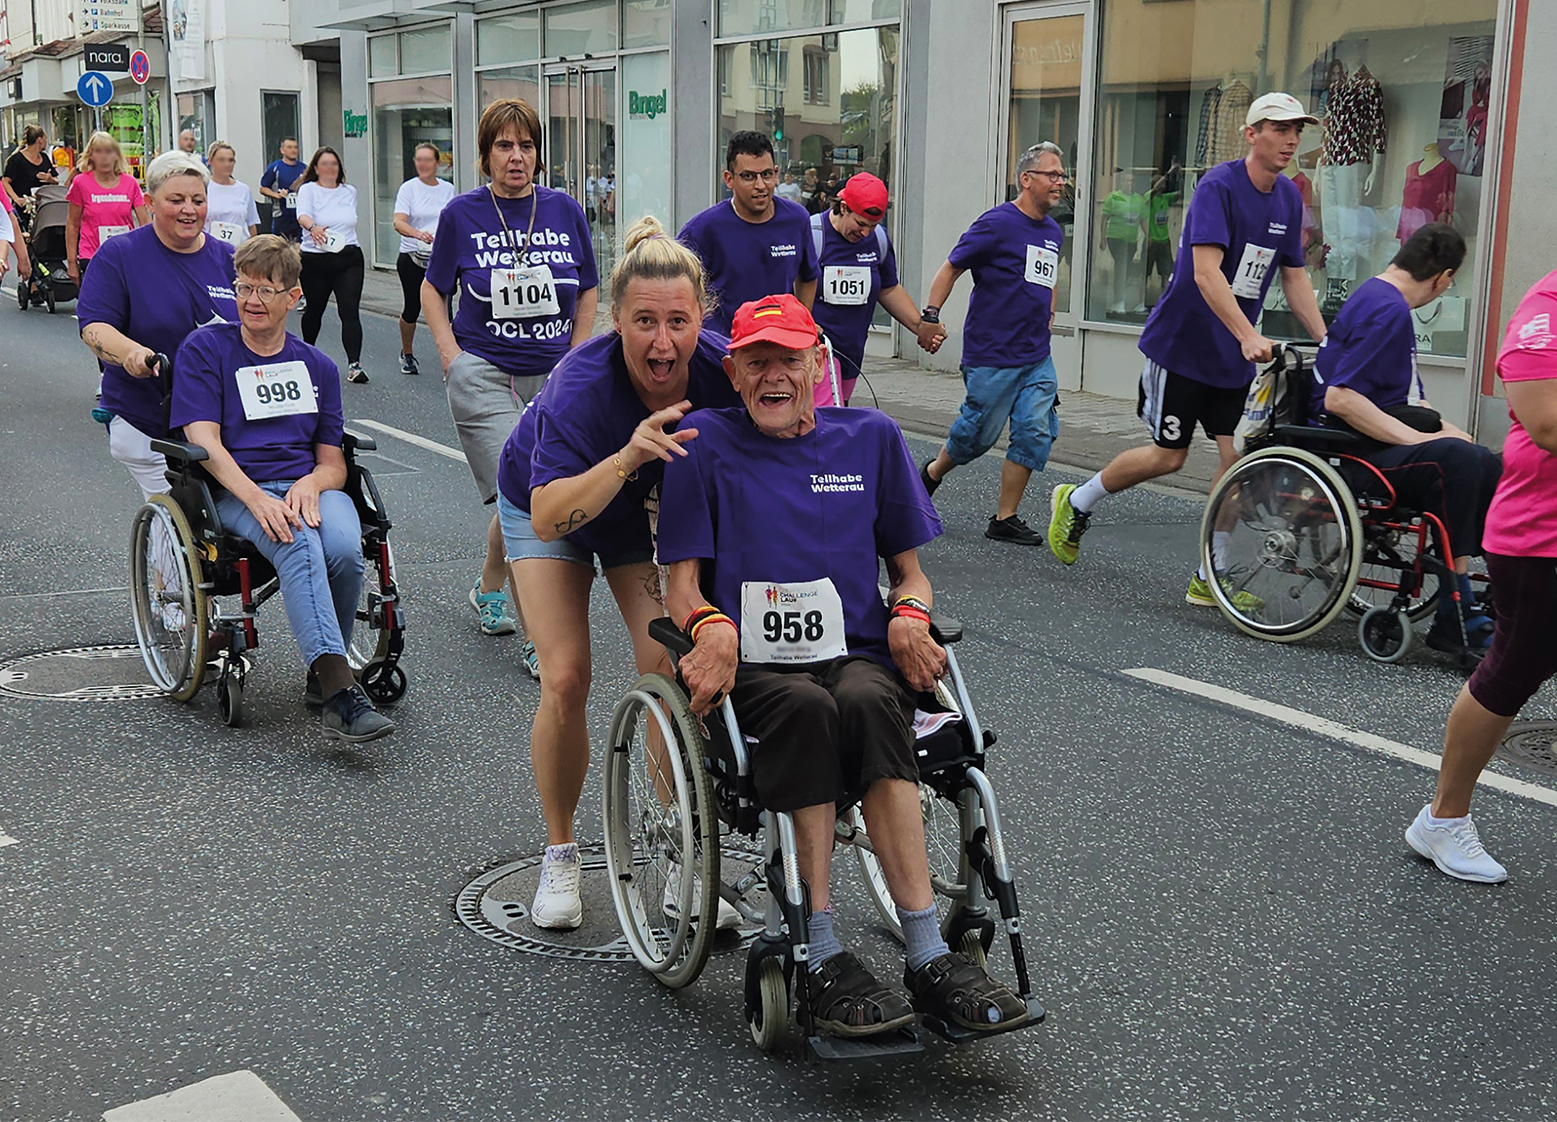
(412, 438)
(67, 592)
(1310, 723)
(239, 1096)
(6, 839)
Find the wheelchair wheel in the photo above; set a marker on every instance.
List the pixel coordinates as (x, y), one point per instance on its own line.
(770, 1021)
(1385, 634)
(229, 698)
(22, 285)
(370, 643)
(661, 831)
(1288, 563)
(170, 608)
(1388, 555)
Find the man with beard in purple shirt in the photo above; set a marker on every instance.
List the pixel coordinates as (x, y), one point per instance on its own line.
(753, 243)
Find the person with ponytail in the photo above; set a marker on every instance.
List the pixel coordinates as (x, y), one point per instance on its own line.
(573, 481)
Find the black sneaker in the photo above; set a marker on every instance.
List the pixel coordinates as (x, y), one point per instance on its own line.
(349, 715)
(313, 696)
(924, 477)
(1012, 529)
(408, 365)
(355, 373)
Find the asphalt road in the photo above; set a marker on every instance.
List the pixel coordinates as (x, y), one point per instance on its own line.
(1222, 916)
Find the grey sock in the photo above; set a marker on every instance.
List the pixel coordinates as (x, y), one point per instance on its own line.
(824, 944)
(921, 937)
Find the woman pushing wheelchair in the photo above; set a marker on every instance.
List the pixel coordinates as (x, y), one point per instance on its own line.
(778, 514)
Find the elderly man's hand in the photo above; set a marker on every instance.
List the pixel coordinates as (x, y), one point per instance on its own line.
(919, 658)
(709, 671)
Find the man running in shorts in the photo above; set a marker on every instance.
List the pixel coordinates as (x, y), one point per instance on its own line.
(278, 185)
(1244, 221)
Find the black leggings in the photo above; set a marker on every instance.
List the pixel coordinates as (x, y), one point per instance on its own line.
(340, 273)
(411, 277)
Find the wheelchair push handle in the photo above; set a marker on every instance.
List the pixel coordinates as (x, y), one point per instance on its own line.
(162, 366)
(665, 632)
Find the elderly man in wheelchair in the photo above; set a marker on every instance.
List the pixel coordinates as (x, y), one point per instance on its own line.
(772, 522)
(1366, 383)
(265, 408)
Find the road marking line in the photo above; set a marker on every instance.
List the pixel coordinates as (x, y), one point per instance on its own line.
(6, 839)
(239, 1096)
(412, 438)
(1310, 723)
(67, 592)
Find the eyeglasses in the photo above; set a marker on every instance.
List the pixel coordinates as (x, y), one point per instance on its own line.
(767, 176)
(264, 291)
(1051, 176)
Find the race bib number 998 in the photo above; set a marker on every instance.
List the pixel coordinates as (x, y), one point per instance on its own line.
(280, 390)
(792, 623)
(1043, 266)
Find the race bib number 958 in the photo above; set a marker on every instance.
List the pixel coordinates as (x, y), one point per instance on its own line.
(791, 622)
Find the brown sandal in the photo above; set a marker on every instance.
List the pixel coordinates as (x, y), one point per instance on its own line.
(955, 990)
(847, 1000)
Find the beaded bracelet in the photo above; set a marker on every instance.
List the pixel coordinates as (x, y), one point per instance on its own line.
(911, 602)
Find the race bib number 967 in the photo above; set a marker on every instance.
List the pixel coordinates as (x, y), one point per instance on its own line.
(1043, 266)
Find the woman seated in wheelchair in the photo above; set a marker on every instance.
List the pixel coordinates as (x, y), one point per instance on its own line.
(1366, 381)
(266, 407)
(777, 513)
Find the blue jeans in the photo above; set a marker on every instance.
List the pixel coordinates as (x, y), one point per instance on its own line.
(1024, 395)
(320, 568)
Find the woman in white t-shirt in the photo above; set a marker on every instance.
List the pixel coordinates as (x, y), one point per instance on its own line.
(332, 256)
(230, 215)
(418, 204)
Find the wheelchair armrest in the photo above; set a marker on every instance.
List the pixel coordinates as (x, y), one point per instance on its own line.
(945, 630)
(665, 632)
(351, 442)
(1315, 436)
(180, 450)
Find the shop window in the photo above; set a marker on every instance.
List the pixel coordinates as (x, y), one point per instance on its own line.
(406, 112)
(510, 81)
(753, 17)
(509, 38)
(646, 23)
(769, 72)
(1403, 93)
(577, 29)
(278, 120)
(817, 67)
(197, 112)
(383, 56)
(427, 50)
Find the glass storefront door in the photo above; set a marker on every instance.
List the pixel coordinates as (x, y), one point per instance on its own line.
(1043, 53)
(581, 147)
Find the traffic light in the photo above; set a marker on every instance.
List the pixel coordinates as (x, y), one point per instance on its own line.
(777, 114)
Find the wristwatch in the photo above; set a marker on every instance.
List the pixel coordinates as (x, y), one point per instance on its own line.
(931, 314)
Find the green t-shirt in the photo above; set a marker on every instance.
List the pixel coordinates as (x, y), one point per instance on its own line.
(1123, 214)
(1157, 226)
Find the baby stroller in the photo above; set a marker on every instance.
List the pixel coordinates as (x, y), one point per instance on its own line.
(50, 280)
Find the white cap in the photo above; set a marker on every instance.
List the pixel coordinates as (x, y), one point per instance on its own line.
(1278, 107)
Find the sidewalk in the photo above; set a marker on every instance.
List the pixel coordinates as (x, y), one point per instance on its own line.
(1093, 428)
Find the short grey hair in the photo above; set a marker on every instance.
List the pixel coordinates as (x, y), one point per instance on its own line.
(1029, 160)
(170, 165)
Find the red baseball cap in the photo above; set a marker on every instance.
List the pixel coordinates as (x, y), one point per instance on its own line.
(774, 319)
(864, 194)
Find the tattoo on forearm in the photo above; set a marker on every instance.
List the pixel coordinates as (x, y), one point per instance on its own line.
(575, 520)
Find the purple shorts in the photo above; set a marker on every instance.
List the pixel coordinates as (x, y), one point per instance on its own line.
(1522, 656)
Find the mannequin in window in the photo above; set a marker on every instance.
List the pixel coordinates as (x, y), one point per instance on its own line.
(1124, 214)
(1428, 193)
(1222, 111)
(1354, 134)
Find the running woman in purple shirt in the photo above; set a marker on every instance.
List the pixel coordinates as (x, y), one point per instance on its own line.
(752, 243)
(1244, 223)
(1014, 254)
(266, 407)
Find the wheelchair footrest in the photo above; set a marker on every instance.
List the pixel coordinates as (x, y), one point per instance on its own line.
(898, 1042)
(956, 1034)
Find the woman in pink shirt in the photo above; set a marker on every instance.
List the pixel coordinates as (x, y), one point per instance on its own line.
(1520, 544)
(104, 201)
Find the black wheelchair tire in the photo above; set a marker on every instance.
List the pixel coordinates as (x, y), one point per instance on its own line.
(383, 683)
(22, 285)
(229, 700)
(1385, 634)
(48, 300)
(187, 683)
(769, 1022)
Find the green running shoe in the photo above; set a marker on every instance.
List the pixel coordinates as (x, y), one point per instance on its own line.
(1066, 524)
(1199, 594)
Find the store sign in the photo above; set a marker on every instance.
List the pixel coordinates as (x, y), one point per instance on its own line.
(108, 15)
(110, 57)
(355, 124)
(645, 105)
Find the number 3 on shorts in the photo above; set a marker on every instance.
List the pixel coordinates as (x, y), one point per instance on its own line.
(1169, 428)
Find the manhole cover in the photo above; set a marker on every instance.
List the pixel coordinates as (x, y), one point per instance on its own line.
(109, 673)
(496, 906)
(1534, 744)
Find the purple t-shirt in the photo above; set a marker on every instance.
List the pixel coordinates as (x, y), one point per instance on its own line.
(1015, 263)
(155, 297)
(848, 325)
(828, 504)
(1371, 348)
(471, 243)
(205, 388)
(1259, 232)
(749, 260)
(586, 411)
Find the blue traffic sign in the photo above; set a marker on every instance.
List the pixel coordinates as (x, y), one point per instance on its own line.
(95, 88)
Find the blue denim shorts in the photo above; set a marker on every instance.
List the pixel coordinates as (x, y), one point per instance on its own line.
(520, 543)
(1024, 397)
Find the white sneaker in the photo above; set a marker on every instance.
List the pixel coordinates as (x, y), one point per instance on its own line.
(729, 919)
(557, 905)
(1455, 847)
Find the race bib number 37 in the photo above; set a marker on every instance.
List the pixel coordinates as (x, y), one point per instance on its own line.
(229, 232)
(524, 293)
(1252, 267)
(793, 623)
(276, 391)
(1043, 266)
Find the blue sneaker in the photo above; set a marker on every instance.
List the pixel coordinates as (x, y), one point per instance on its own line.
(496, 616)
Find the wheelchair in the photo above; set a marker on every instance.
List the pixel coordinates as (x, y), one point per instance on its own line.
(1313, 531)
(675, 785)
(183, 561)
